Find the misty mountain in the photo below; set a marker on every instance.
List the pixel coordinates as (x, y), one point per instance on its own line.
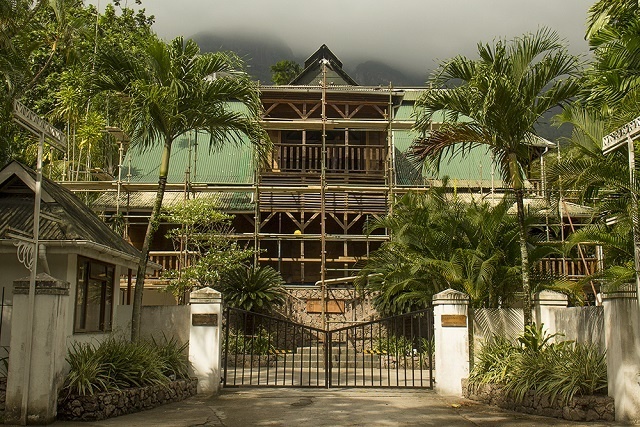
(374, 73)
(260, 52)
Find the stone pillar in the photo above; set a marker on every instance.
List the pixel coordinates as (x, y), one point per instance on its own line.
(622, 336)
(451, 341)
(47, 352)
(545, 304)
(205, 342)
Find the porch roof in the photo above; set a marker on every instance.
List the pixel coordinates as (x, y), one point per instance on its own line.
(64, 217)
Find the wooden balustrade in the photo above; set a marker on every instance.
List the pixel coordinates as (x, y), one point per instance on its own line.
(571, 268)
(169, 260)
(339, 158)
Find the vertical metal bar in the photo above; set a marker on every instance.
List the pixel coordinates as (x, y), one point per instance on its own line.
(275, 347)
(278, 322)
(235, 361)
(339, 356)
(253, 345)
(226, 345)
(431, 355)
(413, 355)
(286, 345)
(372, 352)
(293, 357)
(362, 353)
(388, 345)
(346, 356)
(404, 341)
(259, 354)
(324, 356)
(395, 337)
(380, 347)
(635, 221)
(328, 337)
(421, 350)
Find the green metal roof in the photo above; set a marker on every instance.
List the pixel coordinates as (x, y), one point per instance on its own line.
(229, 164)
(472, 170)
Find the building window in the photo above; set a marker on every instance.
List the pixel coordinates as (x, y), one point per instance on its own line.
(94, 296)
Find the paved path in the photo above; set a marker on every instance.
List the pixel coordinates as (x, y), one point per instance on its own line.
(335, 407)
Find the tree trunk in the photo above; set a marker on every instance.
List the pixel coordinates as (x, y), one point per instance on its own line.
(148, 239)
(524, 254)
(518, 189)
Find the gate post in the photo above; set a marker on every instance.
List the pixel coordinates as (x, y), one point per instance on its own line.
(205, 344)
(622, 337)
(451, 340)
(47, 365)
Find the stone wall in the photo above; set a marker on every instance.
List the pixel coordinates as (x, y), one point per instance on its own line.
(580, 408)
(122, 402)
(357, 308)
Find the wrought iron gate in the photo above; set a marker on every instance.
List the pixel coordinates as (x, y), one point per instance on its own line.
(263, 350)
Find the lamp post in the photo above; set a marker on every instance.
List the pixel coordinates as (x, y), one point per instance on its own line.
(610, 143)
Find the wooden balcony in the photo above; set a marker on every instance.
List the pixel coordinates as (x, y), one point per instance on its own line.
(344, 163)
(569, 268)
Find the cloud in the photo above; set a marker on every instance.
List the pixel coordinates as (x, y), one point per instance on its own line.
(411, 34)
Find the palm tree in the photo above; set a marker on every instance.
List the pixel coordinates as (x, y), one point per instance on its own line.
(504, 93)
(172, 89)
(614, 36)
(440, 242)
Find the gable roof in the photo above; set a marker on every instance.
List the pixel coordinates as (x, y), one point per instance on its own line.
(312, 72)
(64, 216)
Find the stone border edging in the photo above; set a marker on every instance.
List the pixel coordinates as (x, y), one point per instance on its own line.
(121, 402)
(580, 408)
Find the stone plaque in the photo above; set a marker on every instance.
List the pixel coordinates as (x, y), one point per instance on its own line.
(204, 319)
(454, 320)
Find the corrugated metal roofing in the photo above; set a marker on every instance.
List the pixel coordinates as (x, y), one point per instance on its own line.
(474, 169)
(229, 164)
(65, 216)
(143, 200)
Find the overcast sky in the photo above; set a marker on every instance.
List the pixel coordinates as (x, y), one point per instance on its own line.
(409, 34)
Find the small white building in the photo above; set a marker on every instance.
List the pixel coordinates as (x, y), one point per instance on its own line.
(77, 249)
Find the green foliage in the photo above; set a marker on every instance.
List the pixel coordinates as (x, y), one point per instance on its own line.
(535, 339)
(285, 71)
(495, 102)
(116, 364)
(494, 362)
(257, 289)
(559, 370)
(440, 242)
(258, 344)
(209, 253)
(174, 357)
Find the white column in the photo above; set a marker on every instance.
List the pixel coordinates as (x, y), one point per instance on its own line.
(205, 343)
(545, 305)
(451, 341)
(622, 336)
(47, 354)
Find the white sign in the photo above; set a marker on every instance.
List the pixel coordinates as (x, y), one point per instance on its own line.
(619, 137)
(37, 125)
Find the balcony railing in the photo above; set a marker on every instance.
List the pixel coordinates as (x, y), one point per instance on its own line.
(339, 158)
(570, 268)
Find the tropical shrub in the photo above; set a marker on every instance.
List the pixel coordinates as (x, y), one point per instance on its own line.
(559, 370)
(115, 364)
(257, 289)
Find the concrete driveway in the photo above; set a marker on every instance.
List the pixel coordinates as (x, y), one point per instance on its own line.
(334, 407)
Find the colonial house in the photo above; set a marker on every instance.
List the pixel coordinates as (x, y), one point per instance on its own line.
(339, 159)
